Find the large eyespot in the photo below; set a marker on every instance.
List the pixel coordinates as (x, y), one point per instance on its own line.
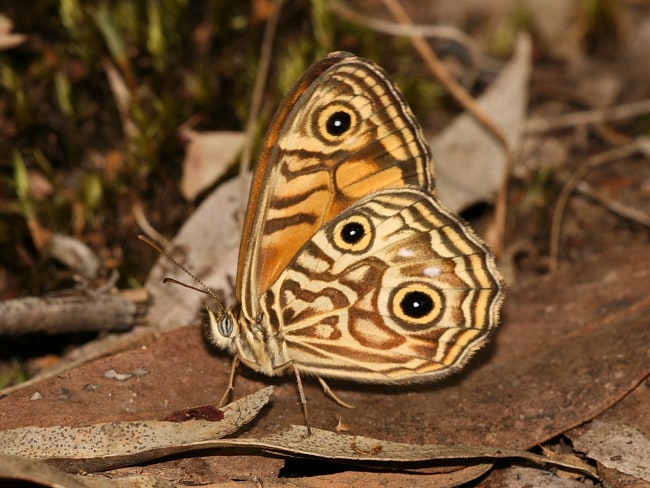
(334, 122)
(338, 123)
(353, 234)
(416, 304)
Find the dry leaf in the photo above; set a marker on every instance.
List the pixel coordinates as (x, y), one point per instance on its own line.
(7, 39)
(470, 163)
(103, 446)
(618, 447)
(18, 468)
(108, 445)
(208, 157)
(209, 240)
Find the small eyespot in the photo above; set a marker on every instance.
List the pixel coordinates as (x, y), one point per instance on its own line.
(335, 122)
(338, 123)
(353, 234)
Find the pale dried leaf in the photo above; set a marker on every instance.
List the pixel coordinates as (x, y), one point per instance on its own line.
(75, 254)
(112, 444)
(617, 446)
(208, 157)
(470, 162)
(7, 39)
(209, 243)
(107, 445)
(360, 449)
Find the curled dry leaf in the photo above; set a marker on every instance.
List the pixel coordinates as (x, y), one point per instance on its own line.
(208, 157)
(18, 468)
(365, 450)
(75, 255)
(108, 445)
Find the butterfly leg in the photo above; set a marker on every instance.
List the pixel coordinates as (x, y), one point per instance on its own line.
(231, 382)
(303, 399)
(330, 393)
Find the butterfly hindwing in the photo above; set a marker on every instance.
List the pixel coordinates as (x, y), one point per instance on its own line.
(394, 289)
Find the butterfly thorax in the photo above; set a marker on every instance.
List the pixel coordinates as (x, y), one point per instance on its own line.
(252, 340)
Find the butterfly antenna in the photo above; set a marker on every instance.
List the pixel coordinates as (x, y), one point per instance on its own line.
(204, 288)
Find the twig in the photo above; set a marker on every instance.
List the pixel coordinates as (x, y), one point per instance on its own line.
(258, 90)
(626, 111)
(56, 315)
(613, 206)
(465, 99)
(145, 226)
(446, 32)
(578, 175)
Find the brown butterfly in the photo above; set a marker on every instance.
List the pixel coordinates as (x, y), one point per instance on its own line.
(349, 267)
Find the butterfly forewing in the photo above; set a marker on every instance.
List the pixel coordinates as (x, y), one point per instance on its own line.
(344, 133)
(393, 290)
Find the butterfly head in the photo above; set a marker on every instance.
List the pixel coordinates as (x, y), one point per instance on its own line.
(224, 327)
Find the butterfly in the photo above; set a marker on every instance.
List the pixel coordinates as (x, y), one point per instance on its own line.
(349, 267)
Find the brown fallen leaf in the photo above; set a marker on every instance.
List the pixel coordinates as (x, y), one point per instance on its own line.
(539, 378)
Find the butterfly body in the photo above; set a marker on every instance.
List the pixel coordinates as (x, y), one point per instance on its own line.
(349, 266)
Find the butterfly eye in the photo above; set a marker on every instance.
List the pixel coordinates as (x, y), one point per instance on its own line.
(226, 326)
(338, 123)
(353, 234)
(417, 304)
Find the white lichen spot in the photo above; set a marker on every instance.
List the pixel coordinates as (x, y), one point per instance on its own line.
(406, 253)
(432, 271)
(112, 374)
(36, 396)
